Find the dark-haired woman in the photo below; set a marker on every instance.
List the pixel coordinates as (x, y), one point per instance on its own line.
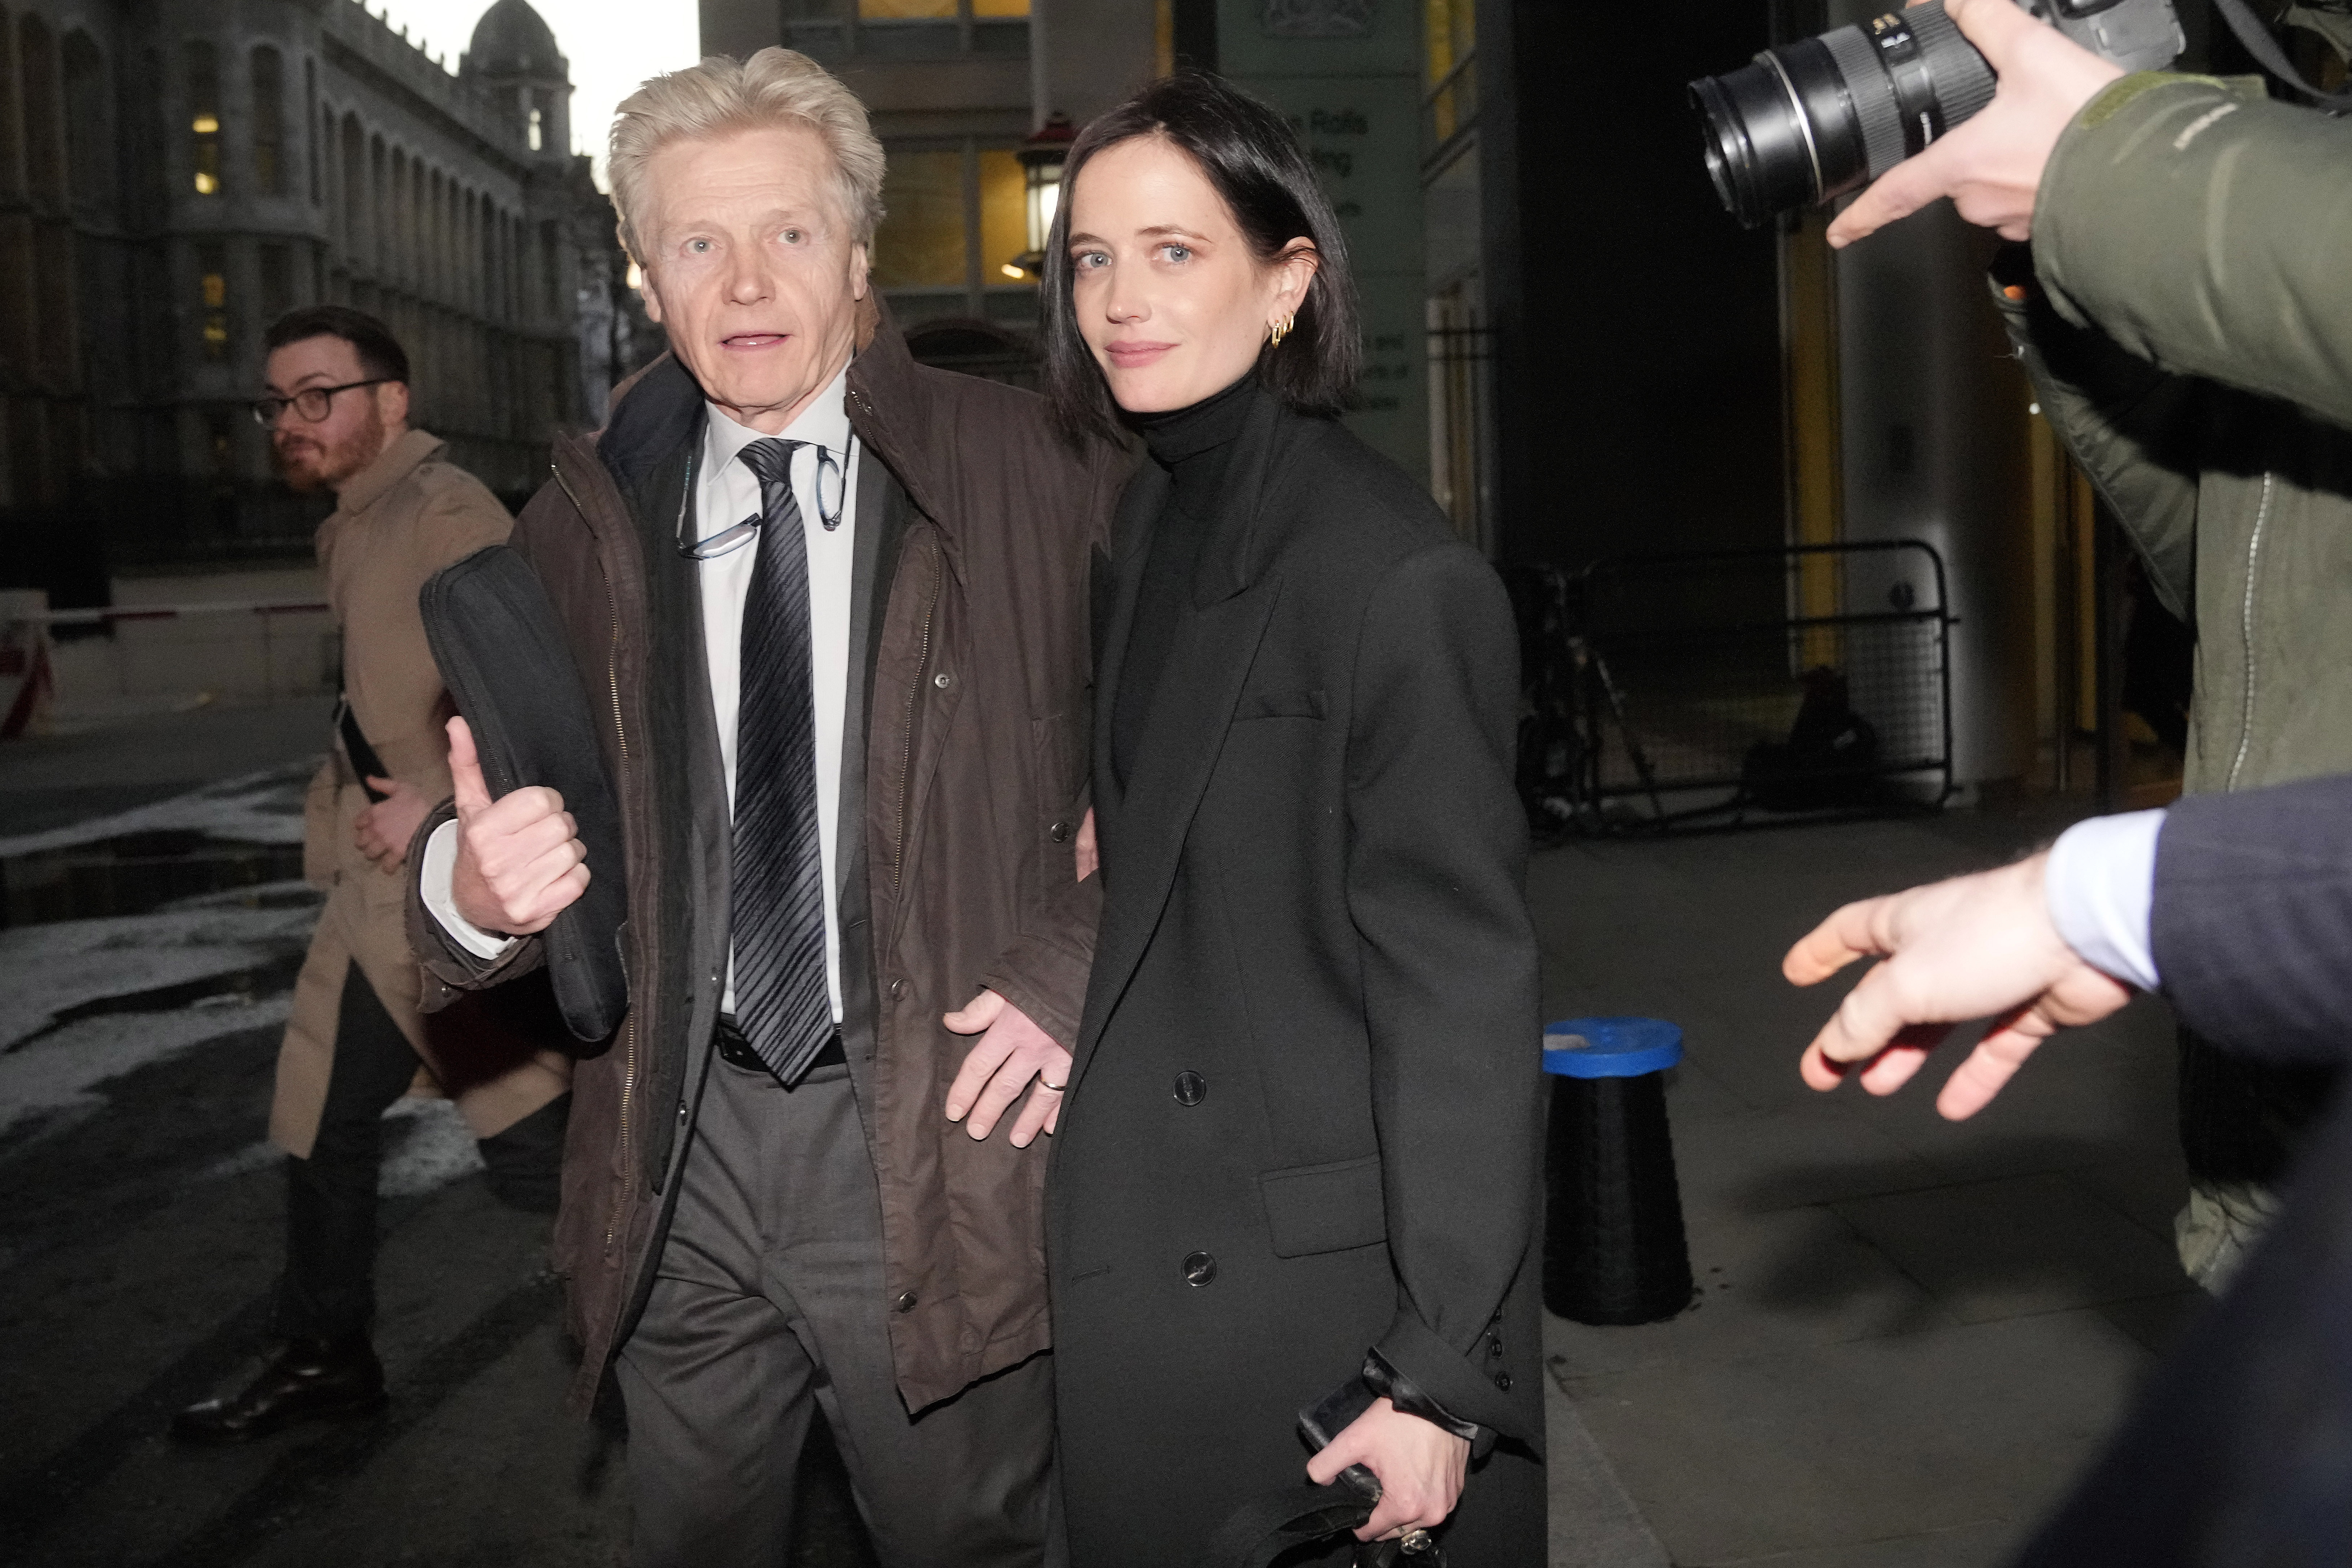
(1301, 1129)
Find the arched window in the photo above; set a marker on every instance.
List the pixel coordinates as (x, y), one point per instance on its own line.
(268, 121)
(212, 296)
(89, 145)
(436, 224)
(379, 214)
(277, 281)
(11, 173)
(203, 111)
(404, 242)
(471, 247)
(355, 187)
(311, 122)
(45, 162)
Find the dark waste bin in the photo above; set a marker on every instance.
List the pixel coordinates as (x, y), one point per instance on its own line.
(1613, 1245)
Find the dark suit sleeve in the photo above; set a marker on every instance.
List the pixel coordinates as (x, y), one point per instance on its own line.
(1435, 884)
(2251, 924)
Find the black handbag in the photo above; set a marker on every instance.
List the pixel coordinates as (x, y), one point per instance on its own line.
(506, 664)
(1268, 1526)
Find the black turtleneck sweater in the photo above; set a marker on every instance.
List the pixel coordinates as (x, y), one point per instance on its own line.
(1196, 446)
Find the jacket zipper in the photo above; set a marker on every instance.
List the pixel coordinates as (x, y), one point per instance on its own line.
(621, 738)
(907, 736)
(2246, 630)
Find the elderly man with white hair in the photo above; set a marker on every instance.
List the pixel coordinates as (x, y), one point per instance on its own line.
(833, 607)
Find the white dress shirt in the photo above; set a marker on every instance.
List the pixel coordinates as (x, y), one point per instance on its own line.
(2100, 886)
(726, 492)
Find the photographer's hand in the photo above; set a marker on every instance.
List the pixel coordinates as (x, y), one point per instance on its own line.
(1974, 946)
(1992, 166)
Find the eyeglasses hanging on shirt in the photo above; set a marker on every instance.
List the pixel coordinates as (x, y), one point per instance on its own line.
(729, 540)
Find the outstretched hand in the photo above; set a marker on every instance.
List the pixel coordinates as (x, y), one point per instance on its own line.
(1975, 946)
(1010, 1052)
(1992, 166)
(520, 859)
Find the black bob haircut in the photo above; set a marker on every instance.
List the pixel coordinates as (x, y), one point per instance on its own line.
(380, 355)
(1252, 158)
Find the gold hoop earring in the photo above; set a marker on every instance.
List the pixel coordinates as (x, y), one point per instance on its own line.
(1281, 330)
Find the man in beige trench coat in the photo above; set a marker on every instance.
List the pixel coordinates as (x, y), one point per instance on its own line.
(338, 416)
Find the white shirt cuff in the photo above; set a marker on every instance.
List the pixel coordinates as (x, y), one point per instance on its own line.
(437, 881)
(2101, 884)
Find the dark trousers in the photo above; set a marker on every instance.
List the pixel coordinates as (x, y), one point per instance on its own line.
(769, 1307)
(2241, 1120)
(327, 1291)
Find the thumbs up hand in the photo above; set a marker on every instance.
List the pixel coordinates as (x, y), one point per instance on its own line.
(520, 859)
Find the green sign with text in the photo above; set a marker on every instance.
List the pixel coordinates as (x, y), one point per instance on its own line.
(1347, 73)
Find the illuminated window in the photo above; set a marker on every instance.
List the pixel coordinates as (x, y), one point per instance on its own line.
(1003, 216)
(203, 117)
(921, 243)
(1450, 29)
(269, 122)
(212, 294)
(1000, 7)
(536, 133)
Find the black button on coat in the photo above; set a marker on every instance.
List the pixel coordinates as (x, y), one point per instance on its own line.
(1314, 902)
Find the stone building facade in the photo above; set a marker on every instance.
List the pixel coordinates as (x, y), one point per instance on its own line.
(954, 88)
(176, 173)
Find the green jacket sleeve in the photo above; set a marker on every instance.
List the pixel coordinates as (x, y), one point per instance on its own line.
(2207, 230)
(2132, 427)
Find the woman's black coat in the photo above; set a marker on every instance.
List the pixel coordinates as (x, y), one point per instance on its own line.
(1305, 1116)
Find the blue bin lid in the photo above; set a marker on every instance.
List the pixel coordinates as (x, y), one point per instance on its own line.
(1610, 1048)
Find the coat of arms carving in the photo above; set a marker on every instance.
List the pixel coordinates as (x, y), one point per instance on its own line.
(1316, 18)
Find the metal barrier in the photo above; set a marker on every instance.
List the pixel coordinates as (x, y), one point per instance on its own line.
(28, 664)
(1728, 686)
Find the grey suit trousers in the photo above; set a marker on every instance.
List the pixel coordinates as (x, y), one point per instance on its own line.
(769, 1305)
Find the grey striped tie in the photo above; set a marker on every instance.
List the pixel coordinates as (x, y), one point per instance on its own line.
(781, 1004)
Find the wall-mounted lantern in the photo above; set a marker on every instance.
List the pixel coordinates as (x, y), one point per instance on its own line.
(1042, 157)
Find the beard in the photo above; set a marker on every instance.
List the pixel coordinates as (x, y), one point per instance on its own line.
(306, 465)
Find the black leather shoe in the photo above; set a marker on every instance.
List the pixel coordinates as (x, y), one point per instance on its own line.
(310, 1378)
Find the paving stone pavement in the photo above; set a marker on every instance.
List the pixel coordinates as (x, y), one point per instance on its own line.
(1910, 1333)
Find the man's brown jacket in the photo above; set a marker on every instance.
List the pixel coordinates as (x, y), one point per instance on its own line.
(964, 755)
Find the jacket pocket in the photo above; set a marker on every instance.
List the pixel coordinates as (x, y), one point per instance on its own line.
(1323, 1208)
(1284, 705)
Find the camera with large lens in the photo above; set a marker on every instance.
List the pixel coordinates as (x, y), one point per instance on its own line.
(1812, 120)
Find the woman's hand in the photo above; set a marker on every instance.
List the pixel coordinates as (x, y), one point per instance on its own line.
(1420, 1464)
